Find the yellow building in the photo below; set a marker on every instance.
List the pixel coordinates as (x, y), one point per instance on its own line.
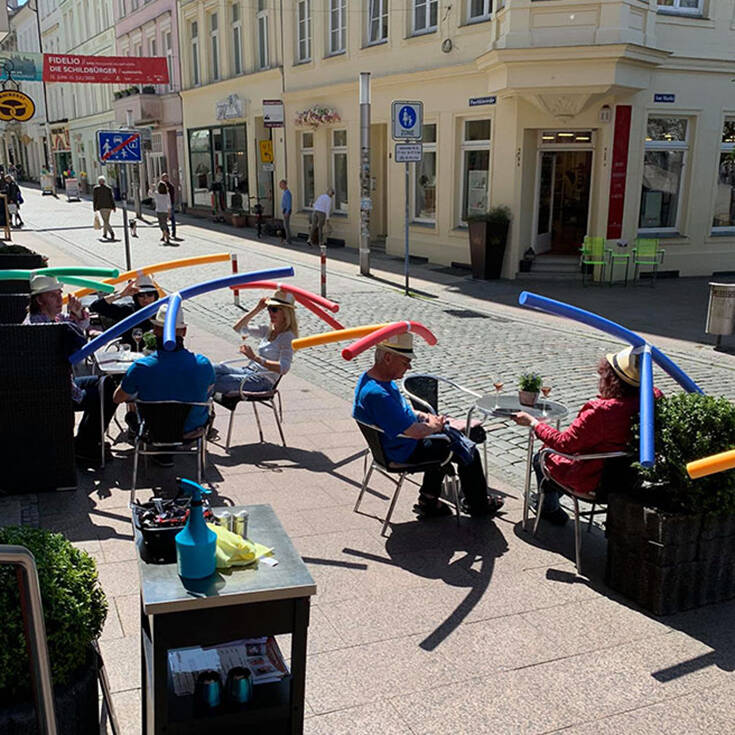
(530, 105)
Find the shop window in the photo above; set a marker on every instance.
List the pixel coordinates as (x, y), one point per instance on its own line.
(665, 152)
(337, 26)
(683, 7)
(236, 39)
(200, 158)
(262, 23)
(724, 213)
(307, 170)
(339, 170)
(478, 10)
(168, 42)
(424, 16)
(377, 20)
(214, 45)
(475, 158)
(424, 179)
(304, 30)
(194, 33)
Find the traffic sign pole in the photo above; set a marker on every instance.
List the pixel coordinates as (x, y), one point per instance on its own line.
(405, 264)
(125, 231)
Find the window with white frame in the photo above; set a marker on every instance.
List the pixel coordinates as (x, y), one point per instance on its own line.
(236, 39)
(307, 170)
(303, 8)
(424, 179)
(339, 170)
(424, 15)
(152, 47)
(138, 50)
(214, 45)
(337, 26)
(168, 43)
(194, 34)
(479, 10)
(685, 7)
(663, 162)
(475, 163)
(377, 30)
(724, 213)
(262, 23)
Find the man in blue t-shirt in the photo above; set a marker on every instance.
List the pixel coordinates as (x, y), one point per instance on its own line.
(410, 436)
(178, 375)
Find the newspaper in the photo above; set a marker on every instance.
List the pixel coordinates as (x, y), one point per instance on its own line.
(261, 655)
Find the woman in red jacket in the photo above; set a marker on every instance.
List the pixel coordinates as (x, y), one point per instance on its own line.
(602, 425)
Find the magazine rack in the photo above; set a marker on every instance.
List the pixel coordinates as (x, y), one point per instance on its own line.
(240, 603)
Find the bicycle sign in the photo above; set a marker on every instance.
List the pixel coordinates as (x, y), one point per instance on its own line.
(407, 120)
(119, 146)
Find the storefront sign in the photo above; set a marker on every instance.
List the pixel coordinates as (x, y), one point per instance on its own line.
(230, 108)
(266, 151)
(105, 69)
(72, 188)
(21, 66)
(60, 140)
(475, 101)
(273, 113)
(16, 106)
(664, 98)
(618, 173)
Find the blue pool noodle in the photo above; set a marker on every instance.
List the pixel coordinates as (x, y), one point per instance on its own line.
(169, 324)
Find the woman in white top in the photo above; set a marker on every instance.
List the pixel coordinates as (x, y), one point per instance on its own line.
(162, 201)
(274, 353)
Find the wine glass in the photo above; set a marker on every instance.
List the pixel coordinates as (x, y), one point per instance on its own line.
(498, 385)
(137, 335)
(546, 389)
(125, 349)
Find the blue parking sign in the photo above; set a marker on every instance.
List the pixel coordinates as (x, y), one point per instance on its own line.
(119, 146)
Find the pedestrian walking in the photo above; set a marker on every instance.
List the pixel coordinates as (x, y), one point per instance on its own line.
(172, 197)
(320, 217)
(162, 203)
(15, 199)
(104, 203)
(286, 204)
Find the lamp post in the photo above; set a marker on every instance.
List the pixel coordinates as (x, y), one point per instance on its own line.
(365, 203)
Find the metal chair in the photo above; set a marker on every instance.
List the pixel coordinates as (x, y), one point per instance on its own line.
(647, 252)
(385, 467)
(268, 398)
(615, 465)
(161, 431)
(593, 253)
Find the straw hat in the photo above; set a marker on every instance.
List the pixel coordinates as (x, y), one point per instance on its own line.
(625, 365)
(160, 317)
(44, 284)
(399, 344)
(145, 285)
(281, 298)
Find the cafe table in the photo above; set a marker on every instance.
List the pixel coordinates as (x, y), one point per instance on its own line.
(501, 407)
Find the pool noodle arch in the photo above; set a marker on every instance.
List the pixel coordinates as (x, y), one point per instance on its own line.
(22, 275)
(339, 335)
(711, 465)
(295, 290)
(372, 339)
(98, 285)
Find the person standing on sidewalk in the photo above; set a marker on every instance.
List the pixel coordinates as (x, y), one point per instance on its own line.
(162, 201)
(172, 196)
(104, 203)
(286, 205)
(320, 217)
(14, 198)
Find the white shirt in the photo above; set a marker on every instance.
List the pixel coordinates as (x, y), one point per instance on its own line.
(323, 203)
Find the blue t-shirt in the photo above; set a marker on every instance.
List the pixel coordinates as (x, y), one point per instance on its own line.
(286, 202)
(172, 376)
(380, 403)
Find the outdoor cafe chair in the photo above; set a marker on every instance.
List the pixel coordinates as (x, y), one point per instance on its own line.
(647, 252)
(593, 253)
(385, 467)
(615, 467)
(161, 431)
(268, 398)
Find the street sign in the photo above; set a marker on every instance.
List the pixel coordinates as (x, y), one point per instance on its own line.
(266, 151)
(119, 146)
(407, 120)
(273, 113)
(409, 152)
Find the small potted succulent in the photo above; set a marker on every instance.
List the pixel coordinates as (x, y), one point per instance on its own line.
(150, 344)
(529, 385)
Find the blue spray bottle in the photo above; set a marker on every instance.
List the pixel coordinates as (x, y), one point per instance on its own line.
(195, 543)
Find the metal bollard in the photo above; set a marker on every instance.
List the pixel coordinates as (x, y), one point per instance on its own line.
(235, 292)
(323, 258)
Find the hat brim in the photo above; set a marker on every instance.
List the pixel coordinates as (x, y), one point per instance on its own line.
(403, 353)
(46, 290)
(156, 323)
(612, 359)
(276, 302)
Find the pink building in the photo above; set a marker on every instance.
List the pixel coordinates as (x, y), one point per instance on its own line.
(151, 29)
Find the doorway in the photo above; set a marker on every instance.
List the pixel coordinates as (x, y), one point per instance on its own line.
(563, 197)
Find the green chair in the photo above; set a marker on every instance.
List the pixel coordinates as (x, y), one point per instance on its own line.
(647, 252)
(593, 252)
(618, 257)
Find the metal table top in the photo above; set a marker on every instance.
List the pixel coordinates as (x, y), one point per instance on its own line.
(115, 362)
(501, 406)
(164, 591)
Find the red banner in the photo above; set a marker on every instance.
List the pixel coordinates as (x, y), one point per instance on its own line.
(105, 69)
(618, 172)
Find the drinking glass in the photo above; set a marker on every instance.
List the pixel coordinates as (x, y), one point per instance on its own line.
(546, 389)
(125, 349)
(498, 385)
(137, 335)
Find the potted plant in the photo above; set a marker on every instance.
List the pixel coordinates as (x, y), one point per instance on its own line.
(239, 219)
(75, 608)
(529, 385)
(526, 262)
(150, 344)
(148, 89)
(671, 539)
(488, 237)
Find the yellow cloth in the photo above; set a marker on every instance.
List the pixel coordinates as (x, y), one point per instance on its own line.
(233, 550)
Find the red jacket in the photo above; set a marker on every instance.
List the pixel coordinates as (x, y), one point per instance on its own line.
(602, 425)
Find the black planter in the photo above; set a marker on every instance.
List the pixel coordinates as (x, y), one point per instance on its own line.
(667, 562)
(76, 705)
(19, 261)
(13, 307)
(487, 248)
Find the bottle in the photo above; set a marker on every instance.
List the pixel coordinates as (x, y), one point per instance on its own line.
(195, 543)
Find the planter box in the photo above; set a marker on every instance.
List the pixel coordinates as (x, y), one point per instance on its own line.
(13, 307)
(19, 261)
(668, 562)
(487, 248)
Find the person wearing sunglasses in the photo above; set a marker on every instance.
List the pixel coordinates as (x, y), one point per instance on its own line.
(274, 353)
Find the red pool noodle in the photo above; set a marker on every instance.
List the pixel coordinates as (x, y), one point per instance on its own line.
(295, 290)
(370, 340)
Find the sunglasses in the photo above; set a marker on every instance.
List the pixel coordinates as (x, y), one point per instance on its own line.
(274, 309)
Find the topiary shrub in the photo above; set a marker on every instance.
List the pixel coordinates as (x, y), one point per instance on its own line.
(74, 607)
(690, 426)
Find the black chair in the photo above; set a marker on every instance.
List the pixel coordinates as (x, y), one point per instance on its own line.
(617, 465)
(161, 431)
(268, 398)
(388, 469)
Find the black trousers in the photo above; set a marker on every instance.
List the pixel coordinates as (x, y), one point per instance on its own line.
(552, 492)
(471, 476)
(88, 433)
